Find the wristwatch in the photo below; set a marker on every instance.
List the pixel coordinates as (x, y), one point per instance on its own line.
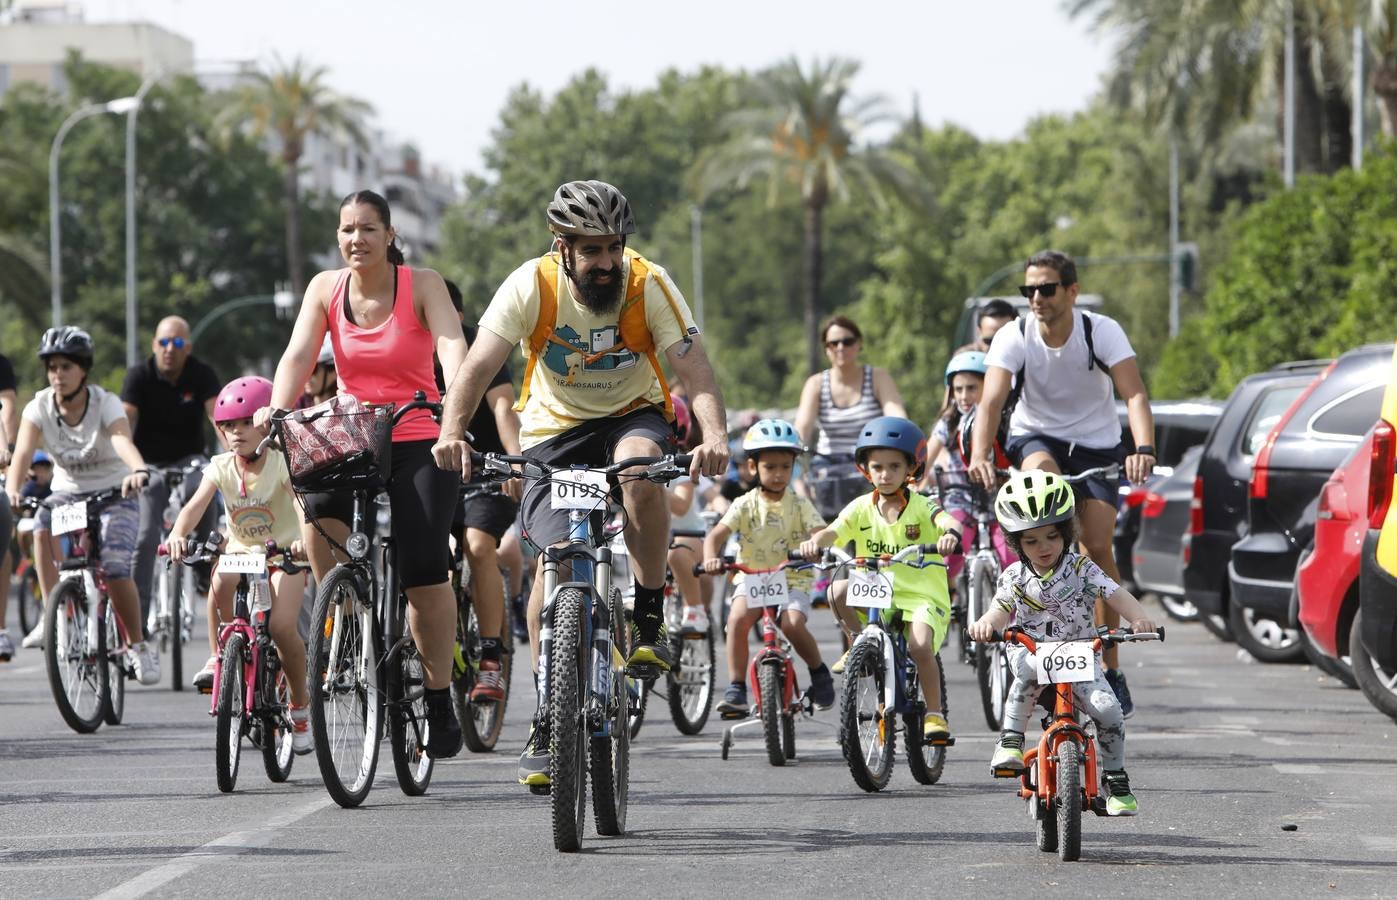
(1146, 450)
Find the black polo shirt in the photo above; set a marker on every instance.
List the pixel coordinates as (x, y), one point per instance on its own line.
(170, 417)
(483, 426)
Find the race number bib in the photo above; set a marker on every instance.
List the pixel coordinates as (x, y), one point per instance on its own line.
(1069, 662)
(766, 589)
(578, 489)
(870, 588)
(70, 517)
(242, 563)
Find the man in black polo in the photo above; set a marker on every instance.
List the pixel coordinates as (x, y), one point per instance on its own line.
(167, 398)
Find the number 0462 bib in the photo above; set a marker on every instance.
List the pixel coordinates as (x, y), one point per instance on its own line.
(1069, 662)
(766, 589)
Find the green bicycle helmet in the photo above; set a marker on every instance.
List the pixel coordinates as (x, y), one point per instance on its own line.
(1033, 499)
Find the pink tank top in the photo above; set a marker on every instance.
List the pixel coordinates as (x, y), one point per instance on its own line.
(389, 363)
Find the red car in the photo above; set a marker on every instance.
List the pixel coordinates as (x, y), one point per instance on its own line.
(1326, 581)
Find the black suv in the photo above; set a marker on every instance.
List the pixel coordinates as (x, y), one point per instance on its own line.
(1316, 434)
(1218, 517)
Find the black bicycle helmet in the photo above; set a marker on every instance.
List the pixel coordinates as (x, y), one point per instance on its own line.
(74, 343)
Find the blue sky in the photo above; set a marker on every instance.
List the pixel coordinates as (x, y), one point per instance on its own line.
(437, 71)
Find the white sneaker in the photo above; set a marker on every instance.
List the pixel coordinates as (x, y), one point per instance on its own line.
(695, 620)
(302, 742)
(34, 639)
(147, 662)
(7, 647)
(203, 679)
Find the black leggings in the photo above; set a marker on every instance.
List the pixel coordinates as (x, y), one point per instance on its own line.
(422, 500)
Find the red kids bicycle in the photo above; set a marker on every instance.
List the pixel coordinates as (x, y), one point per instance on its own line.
(1059, 777)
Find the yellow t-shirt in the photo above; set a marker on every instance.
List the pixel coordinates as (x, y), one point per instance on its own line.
(259, 505)
(766, 531)
(565, 391)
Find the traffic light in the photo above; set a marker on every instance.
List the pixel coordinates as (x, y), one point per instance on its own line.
(1186, 258)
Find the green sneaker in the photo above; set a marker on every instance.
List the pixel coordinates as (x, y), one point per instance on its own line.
(1119, 800)
(1008, 755)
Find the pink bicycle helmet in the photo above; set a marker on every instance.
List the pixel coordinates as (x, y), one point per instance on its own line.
(242, 397)
(682, 418)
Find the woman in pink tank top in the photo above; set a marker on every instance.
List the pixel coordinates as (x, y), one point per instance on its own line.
(385, 320)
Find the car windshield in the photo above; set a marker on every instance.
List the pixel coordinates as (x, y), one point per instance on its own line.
(1268, 412)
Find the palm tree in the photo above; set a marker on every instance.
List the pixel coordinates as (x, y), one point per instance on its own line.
(801, 131)
(292, 102)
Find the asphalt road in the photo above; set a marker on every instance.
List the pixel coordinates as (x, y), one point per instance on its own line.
(1223, 753)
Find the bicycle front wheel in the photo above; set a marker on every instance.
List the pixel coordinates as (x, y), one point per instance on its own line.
(611, 752)
(867, 735)
(481, 723)
(770, 678)
(567, 686)
(174, 625)
(277, 754)
(991, 660)
(114, 694)
(926, 761)
(690, 683)
(1069, 801)
(31, 600)
(229, 713)
(346, 705)
(77, 669)
(407, 722)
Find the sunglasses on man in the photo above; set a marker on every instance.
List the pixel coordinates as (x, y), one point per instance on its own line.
(841, 342)
(178, 342)
(1047, 289)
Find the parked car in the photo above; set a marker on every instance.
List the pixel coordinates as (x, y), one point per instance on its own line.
(1318, 431)
(1157, 557)
(1218, 513)
(1373, 639)
(1326, 580)
(1178, 425)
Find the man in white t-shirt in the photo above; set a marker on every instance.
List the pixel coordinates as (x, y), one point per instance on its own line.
(1068, 362)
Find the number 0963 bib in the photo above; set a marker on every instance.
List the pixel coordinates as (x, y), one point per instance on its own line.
(1068, 662)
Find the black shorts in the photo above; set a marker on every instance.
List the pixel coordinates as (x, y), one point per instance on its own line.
(490, 513)
(1073, 459)
(421, 499)
(589, 444)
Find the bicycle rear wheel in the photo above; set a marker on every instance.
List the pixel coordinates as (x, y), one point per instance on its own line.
(867, 734)
(229, 713)
(611, 753)
(567, 685)
(346, 705)
(277, 756)
(991, 660)
(407, 722)
(174, 626)
(31, 600)
(481, 723)
(689, 685)
(926, 761)
(77, 670)
(114, 695)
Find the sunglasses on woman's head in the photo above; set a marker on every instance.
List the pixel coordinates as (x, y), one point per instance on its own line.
(1047, 289)
(841, 342)
(167, 341)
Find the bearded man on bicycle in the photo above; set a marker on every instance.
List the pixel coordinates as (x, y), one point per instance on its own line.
(594, 392)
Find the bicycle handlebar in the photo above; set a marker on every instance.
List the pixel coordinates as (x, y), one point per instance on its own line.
(500, 466)
(212, 549)
(732, 565)
(834, 558)
(1014, 635)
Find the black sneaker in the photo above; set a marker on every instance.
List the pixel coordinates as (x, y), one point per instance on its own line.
(1119, 800)
(1116, 679)
(650, 647)
(821, 687)
(533, 762)
(443, 731)
(734, 701)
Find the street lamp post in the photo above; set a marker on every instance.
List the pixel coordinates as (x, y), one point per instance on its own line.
(118, 106)
(141, 92)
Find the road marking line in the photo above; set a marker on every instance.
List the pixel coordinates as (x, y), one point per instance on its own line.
(1297, 769)
(216, 850)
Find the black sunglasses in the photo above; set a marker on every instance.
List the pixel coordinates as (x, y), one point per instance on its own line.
(841, 342)
(1047, 289)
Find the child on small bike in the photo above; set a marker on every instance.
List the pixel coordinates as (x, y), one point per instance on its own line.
(256, 490)
(1051, 594)
(769, 521)
(891, 452)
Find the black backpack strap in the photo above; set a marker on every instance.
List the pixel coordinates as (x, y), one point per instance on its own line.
(1092, 358)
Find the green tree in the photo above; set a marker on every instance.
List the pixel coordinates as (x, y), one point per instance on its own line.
(292, 102)
(802, 131)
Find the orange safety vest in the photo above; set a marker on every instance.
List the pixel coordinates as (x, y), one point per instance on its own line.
(634, 331)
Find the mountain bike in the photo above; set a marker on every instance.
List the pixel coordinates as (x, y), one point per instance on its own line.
(252, 697)
(170, 621)
(583, 642)
(86, 649)
(689, 682)
(1059, 778)
(881, 684)
(362, 660)
(481, 723)
(771, 673)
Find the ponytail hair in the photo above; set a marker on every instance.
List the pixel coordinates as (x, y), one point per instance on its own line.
(374, 199)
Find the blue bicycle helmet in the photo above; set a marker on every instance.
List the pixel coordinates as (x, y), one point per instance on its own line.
(772, 434)
(969, 361)
(893, 433)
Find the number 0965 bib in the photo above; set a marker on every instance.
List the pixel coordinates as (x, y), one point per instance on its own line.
(870, 588)
(1068, 662)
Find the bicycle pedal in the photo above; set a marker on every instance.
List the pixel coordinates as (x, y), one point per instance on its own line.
(941, 742)
(644, 671)
(205, 690)
(1006, 772)
(540, 790)
(732, 716)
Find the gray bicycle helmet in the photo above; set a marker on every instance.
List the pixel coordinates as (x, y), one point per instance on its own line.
(1033, 499)
(68, 341)
(590, 208)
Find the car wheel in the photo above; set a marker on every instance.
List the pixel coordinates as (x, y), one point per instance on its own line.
(1378, 684)
(1266, 639)
(1180, 609)
(1217, 623)
(1337, 669)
